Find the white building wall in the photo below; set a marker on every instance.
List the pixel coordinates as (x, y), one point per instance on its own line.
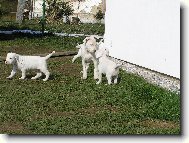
(38, 8)
(145, 32)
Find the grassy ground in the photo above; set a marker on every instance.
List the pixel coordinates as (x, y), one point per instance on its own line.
(97, 28)
(68, 105)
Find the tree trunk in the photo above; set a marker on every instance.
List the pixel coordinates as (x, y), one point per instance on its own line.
(20, 10)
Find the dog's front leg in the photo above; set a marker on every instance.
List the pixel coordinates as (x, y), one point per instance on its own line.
(23, 74)
(84, 69)
(79, 54)
(74, 58)
(13, 72)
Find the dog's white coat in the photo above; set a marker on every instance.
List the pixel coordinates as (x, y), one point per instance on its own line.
(106, 66)
(87, 53)
(25, 63)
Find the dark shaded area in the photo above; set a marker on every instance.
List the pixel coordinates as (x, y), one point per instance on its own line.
(182, 25)
(14, 35)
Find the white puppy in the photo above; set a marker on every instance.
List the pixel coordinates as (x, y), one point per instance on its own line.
(24, 63)
(87, 53)
(82, 47)
(106, 66)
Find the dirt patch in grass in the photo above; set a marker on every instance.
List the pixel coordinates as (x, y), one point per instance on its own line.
(159, 124)
(67, 67)
(92, 110)
(8, 127)
(82, 111)
(25, 51)
(70, 70)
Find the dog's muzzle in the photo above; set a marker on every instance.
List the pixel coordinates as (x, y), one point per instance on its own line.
(6, 62)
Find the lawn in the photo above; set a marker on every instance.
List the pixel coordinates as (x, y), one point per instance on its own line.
(66, 104)
(95, 29)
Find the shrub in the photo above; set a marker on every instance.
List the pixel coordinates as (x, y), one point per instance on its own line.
(3, 11)
(99, 15)
(57, 10)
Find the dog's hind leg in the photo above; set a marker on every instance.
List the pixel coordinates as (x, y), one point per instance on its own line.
(109, 78)
(47, 74)
(39, 74)
(115, 79)
(99, 77)
(87, 66)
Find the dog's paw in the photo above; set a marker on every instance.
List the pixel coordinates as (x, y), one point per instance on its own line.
(21, 78)
(98, 82)
(9, 77)
(33, 78)
(95, 78)
(45, 79)
(83, 77)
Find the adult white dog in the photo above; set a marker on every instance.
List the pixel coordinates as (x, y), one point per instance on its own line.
(24, 63)
(87, 53)
(106, 66)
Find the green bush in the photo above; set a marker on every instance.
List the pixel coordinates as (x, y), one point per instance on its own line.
(99, 16)
(56, 10)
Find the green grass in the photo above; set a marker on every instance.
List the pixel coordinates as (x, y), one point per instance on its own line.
(66, 104)
(39, 45)
(97, 29)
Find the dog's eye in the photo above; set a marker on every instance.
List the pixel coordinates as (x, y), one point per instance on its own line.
(10, 58)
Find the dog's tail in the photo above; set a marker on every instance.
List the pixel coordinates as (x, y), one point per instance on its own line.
(49, 55)
(118, 66)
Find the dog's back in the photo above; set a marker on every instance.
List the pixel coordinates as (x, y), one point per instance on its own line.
(31, 62)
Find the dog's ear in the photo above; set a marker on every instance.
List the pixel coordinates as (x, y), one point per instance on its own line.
(86, 39)
(17, 58)
(96, 38)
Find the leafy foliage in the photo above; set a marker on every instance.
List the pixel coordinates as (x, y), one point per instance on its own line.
(3, 11)
(57, 9)
(99, 15)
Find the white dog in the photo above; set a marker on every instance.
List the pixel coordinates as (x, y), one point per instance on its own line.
(24, 63)
(107, 66)
(87, 53)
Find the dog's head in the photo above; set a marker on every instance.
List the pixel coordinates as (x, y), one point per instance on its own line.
(11, 58)
(102, 52)
(91, 44)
